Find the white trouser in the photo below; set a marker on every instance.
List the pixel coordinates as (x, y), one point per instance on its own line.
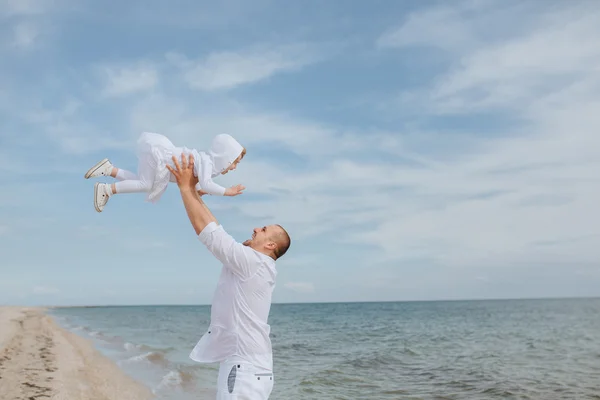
(243, 381)
(132, 183)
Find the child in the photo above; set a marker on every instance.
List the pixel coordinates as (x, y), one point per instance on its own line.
(154, 152)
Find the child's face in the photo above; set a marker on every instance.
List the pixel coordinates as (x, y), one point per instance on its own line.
(233, 165)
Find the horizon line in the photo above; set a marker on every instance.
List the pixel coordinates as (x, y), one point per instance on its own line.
(312, 302)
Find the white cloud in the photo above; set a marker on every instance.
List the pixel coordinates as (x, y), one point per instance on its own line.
(519, 71)
(540, 176)
(228, 69)
(466, 25)
(25, 35)
(497, 68)
(300, 287)
(121, 80)
(439, 27)
(64, 125)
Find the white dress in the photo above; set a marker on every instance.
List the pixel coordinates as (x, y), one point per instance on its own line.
(155, 152)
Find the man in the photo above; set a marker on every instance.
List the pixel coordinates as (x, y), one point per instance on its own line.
(238, 334)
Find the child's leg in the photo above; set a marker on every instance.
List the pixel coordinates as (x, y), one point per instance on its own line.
(123, 174)
(130, 186)
(132, 183)
(104, 191)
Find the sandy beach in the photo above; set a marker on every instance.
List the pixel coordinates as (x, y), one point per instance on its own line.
(39, 360)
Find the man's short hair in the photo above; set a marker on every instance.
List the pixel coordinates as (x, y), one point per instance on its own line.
(283, 242)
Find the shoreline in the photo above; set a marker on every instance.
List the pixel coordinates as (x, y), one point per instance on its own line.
(40, 359)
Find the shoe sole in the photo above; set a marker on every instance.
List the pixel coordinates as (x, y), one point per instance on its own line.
(95, 168)
(96, 196)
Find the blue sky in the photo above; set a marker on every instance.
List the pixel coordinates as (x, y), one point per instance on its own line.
(414, 150)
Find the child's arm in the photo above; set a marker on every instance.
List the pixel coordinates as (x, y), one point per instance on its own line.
(234, 190)
(209, 187)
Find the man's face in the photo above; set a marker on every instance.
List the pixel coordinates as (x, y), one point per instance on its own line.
(261, 236)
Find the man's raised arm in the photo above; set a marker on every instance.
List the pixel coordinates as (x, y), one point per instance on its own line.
(197, 211)
(224, 247)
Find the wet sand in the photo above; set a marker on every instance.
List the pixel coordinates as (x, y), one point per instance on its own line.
(39, 360)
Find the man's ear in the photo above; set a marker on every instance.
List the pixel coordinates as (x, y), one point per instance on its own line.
(271, 245)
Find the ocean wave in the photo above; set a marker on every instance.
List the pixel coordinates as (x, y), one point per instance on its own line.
(150, 357)
(80, 328)
(133, 347)
(176, 379)
(117, 342)
(106, 338)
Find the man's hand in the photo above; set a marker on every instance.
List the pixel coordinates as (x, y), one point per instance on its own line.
(184, 173)
(197, 212)
(234, 190)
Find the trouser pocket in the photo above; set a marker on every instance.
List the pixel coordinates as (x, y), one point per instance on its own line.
(231, 379)
(244, 382)
(262, 384)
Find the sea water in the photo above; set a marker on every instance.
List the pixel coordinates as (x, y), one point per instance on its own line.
(502, 349)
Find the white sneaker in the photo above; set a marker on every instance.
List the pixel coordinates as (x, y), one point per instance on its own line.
(103, 168)
(102, 193)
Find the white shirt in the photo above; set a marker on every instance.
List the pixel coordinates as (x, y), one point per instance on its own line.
(240, 308)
